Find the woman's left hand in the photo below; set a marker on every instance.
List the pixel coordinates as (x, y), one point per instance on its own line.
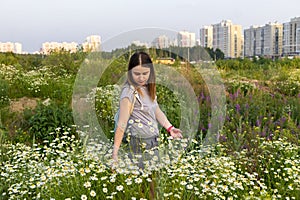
(176, 133)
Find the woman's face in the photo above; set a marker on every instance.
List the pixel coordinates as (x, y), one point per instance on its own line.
(140, 75)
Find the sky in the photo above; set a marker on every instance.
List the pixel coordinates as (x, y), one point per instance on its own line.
(32, 22)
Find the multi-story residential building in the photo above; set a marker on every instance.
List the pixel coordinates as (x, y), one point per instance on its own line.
(140, 44)
(186, 39)
(220, 37)
(228, 38)
(18, 48)
(11, 47)
(251, 40)
(264, 40)
(48, 47)
(273, 39)
(92, 43)
(259, 40)
(7, 47)
(237, 41)
(161, 42)
(206, 36)
(291, 37)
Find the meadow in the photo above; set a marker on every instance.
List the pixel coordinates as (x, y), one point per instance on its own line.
(42, 155)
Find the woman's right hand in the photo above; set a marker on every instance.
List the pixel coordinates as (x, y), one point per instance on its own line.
(114, 162)
(115, 157)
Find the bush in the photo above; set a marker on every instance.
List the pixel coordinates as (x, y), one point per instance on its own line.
(46, 118)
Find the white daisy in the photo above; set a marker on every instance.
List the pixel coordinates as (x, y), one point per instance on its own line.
(119, 188)
(93, 193)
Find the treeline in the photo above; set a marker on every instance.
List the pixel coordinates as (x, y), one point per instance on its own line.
(258, 63)
(195, 53)
(64, 59)
(70, 62)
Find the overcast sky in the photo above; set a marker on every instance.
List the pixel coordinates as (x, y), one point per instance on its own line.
(32, 22)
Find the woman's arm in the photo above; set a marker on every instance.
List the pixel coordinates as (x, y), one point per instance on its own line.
(124, 115)
(161, 118)
(164, 122)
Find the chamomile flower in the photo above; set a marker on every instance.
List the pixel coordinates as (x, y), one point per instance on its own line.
(93, 193)
(120, 188)
(87, 184)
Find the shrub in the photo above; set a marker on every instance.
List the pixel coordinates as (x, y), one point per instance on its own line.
(46, 118)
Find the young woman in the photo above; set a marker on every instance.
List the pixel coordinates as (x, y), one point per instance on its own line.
(139, 112)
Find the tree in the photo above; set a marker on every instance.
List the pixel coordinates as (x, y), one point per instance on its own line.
(65, 60)
(219, 54)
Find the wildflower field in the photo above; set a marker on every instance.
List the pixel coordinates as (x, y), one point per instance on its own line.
(42, 155)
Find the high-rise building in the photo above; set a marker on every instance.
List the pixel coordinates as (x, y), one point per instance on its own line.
(186, 39)
(264, 40)
(259, 40)
(206, 36)
(251, 37)
(11, 47)
(92, 43)
(237, 41)
(161, 42)
(228, 38)
(273, 39)
(291, 37)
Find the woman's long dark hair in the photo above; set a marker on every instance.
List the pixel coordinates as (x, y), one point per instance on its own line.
(143, 59)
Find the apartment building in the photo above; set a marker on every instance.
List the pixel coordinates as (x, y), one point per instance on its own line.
(92, 43)
(263, 40)
(251, 37)
(48, 47)
(273, 39)
(11, 47)
(140, 43)
(228, 38)
(259, 39)
(291, 37)
(206, 36)
(237, 41)
(161, 42)
(254, 41)
(186, 39)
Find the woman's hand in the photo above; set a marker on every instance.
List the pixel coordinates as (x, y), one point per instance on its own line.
(114, 157)
(176, 133)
